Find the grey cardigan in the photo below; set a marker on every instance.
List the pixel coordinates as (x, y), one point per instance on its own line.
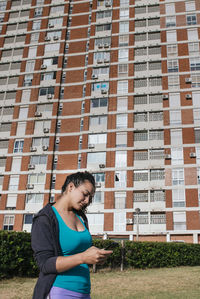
(46, 248)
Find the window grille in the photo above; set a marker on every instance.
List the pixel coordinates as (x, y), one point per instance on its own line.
(155, 99)
(157, 195)
(140, 155)
(156, 81)
(153, 8)
(140, 51)
(155, 154)
(139, 67)
(140, 117)
(156, 116)
(140, 10)
(155, 65)
(158, 218)
(153, 35)
(140, 175)
(138, 83)
(156, 135)
(140, 196)
(142, 218)
(140, 23)
(157, 174)
(140, 100)
(154, 50)
(141, 136)
(140, 37)
(154, 22)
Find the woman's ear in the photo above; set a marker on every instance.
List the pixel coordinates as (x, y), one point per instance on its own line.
(70, 187)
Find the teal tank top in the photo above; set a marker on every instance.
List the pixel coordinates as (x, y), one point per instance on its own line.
(76, 279)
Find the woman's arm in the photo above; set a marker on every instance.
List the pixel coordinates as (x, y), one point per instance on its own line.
(92, 255)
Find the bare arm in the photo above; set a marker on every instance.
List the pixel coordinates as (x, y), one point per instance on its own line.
(92, 255)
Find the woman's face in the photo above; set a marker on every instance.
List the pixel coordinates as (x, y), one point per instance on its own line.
(81, 195)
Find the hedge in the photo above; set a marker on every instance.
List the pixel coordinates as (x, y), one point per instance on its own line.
(16, 256)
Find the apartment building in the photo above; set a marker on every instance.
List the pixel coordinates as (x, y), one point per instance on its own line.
(112, 87)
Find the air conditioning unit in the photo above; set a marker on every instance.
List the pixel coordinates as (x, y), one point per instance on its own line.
(165, 97)
(66, 46)
(45, 147)
(192, 155)
(47, 38)
(60, 107)
(129, 221)
(100, 46)
(38, 114)
(46, 130)
(59, 124)
(55, 37)
(63, 75)
(49, 96)
(43, 66)
(107, 3)
(104, 91)
(30, 186)
(31, 166)
(188, 96)
(99, 61)
(106, 45)
(188, 80)
(94, 77)
(167, 156)
(52, 198)
(57, 140)
(33, 149)
(98, 184)
(51, 25)
(106, 60)
(90, 145)
(55, 160)
(102, 166)
(53, 179)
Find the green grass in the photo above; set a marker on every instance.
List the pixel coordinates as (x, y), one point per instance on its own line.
(163, 283)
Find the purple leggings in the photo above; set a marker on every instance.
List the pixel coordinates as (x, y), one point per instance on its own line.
(60, 293)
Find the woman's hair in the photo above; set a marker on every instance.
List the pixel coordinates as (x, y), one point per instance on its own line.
(77, 179)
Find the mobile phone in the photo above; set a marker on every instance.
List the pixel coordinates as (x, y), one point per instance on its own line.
(111, 245)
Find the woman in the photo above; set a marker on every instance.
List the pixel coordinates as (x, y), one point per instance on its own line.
(62, 244)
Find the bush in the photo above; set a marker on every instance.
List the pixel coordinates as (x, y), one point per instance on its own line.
(16, 255)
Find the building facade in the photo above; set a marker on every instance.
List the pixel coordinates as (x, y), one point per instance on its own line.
(112, 87)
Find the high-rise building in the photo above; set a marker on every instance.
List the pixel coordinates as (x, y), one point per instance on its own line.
(112, 87)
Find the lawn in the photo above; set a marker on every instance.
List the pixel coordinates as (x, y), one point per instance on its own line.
(165, 283)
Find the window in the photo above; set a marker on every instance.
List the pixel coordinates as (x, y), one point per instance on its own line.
(124, 27)
(153, 35)
(196, 113)
(174, 100)
(177, 176)
(156, 135)
(195, 63)
(5, 127)
(155, 154)
(52, 48)
(11, 202)
(8, 222)
(139, 83)
(193, 49)
(120, 200)
(195, 80)
(103, 14)
(121, 139)
(122, 103)
(120, 221)
(141, 136)
(40, 141)
(173, 81)
(46, 91)
(2, 162)
(175, 117)
(176, 136)
(190, 5)
(121, 121)
(140, 10)
(122, 70)
(55, 22)
(124, 13)
(32, 52)
(178, 198)
(98, 120)
(143, 218)
(23, 112)
(191, 19)
(172, 65)
(40, 125)
(171, 21)
(156, 65)
(122, 87)
(139, 67)
(123, 40)
(196, 98)
(100, 86)
(198, 175)
(172, 50)
(44, 108)
(140, 175)
(100, 102)
(124, 3)
(140, 37)
(179, 219)
(154, 50)
(157, 218)
(28, 219)
(170, 8)
(36, 179)
(156, 81)
(98, 198)
(57, 9)
(123, 55)
(192, 34)
(50, 61)
(140, 117)
(96, 158)
(120, 159)
(140, 23)
(103, 27)
(177, 156)
(97, 138)
(96, 221)
(54, 34)
(140, 100)
(157, 174)
(140, 155)
(35, 198)
(140, 196)
(36, 25)
(102, 41)
(16, 164)
(99, 177)
(13, 183)
(101, 71)
(38, 160)
(48, 76)
(171, 36)
(157, 195)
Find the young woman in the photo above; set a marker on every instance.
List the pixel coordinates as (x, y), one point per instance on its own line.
(62, 244)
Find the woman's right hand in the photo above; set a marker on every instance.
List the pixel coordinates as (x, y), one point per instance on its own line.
(94, 255)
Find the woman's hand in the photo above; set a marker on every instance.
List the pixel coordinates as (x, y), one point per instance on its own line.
(94, 255)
